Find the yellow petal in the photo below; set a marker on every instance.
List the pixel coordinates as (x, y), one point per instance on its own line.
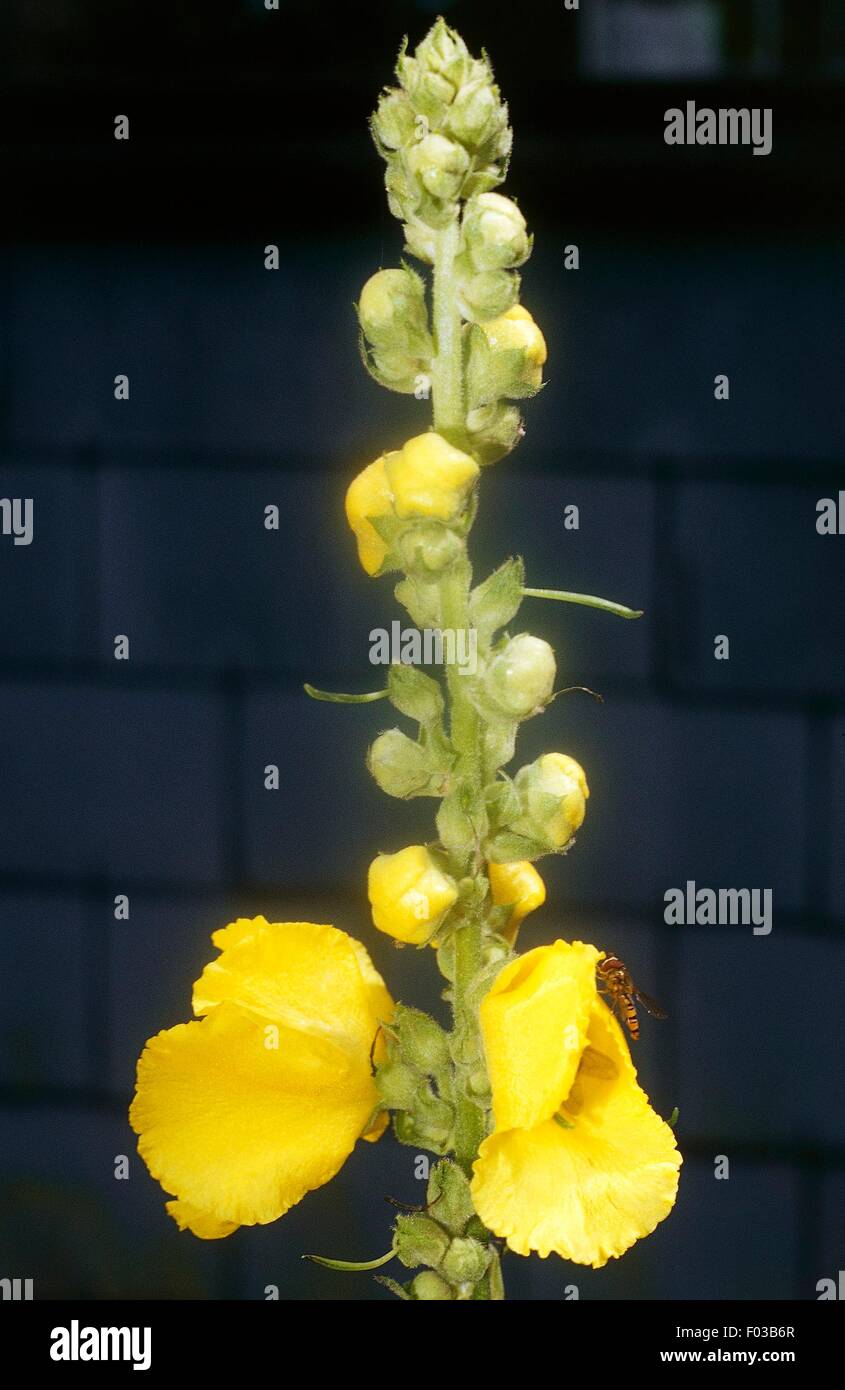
(429, 477)
(409, 894)
(199, 1223)
(300, 974)
(517, 884)
(367, 496)
(586, 1193)
(534, 1022)
(239, 1118)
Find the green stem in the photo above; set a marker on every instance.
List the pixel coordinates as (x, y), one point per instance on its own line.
(465, 725)
(447, 383)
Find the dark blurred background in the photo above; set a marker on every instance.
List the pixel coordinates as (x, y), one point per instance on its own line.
(145, 777)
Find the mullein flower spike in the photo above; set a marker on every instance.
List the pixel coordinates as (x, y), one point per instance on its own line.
(546, 1140)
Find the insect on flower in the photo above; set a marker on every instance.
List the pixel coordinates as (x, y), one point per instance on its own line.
(614, 980)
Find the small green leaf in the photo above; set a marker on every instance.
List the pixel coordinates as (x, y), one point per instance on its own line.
(333, 697)
(586, 600)
(673, 1118)
(495, 601)
(352, 1266)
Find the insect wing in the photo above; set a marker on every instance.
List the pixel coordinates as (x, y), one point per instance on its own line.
(649, 1005)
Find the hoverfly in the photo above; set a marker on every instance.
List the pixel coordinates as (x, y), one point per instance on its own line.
(615, 981)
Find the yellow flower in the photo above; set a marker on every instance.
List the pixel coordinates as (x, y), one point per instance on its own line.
(517, 329)
(263, 1098)
(431, 478)
(578, 1162)
(409, 894)
(519, 886)
(367, 496)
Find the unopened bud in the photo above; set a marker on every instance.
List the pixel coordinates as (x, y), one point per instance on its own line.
(409, 893)
(440, 165)
(394, 121)
(420, 1241)
(495, 430)
(553, 792)
(494, 233)
(521, 677)
(393, 315)
(466, 1260)
(403, 768)
(429, 1287)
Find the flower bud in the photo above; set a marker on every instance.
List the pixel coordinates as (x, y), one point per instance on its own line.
(429, 548)
(553, 792)
(521, 677)
(420, 1241)
(487, 294)
(409, 894)
(429, 1287)
(444, 52)
(368, 496)
(519, 887)
(392, 312)
(476, 113)
(494, 233)
(440, 165)
(495, 430)
(404, 768)
(466, 1260)
(422, 1042)
(430, 478)
(517, 329)
(394, 121)
(448, 1195)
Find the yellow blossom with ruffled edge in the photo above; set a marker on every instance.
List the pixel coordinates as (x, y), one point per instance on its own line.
(578, 1162)
(431, 478)
(409, 894)
(262, 1098)
(518, 886)
(368, 496)
(516, 329)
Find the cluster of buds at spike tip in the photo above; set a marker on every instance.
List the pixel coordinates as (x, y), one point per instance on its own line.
(410, 508)
(443, 133)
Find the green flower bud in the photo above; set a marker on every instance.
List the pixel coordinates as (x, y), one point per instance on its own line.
(429, 548)
(466, 1261)
(404, 768)
(420, 1241)
(495, 234)
(476, 112)
(448, 1195)
(394, 121)
(444, 52)
(521, 677)
(393, 315)
(429, 1287)
(415, 694)
(440, 165)
(397, 1085)
(422, 1041)
(494, 430)
(486, 294)
(431, 1130)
